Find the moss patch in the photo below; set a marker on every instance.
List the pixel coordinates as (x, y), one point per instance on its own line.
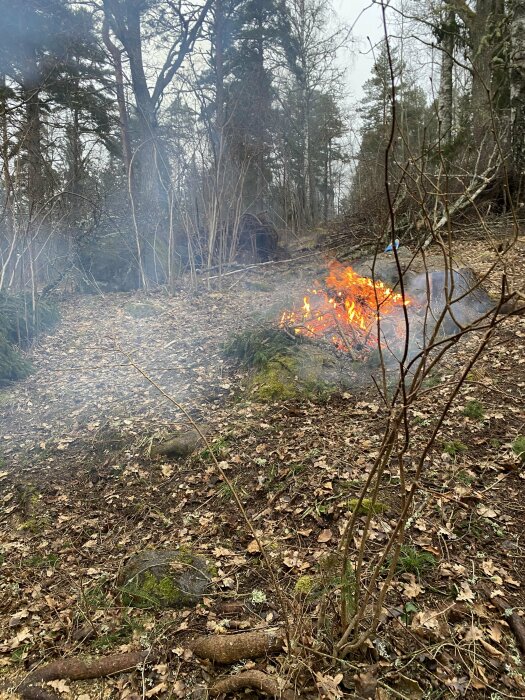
(295, 375)
(164, 579)
(366, 506)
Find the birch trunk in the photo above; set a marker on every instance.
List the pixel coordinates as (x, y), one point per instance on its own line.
(517, 95)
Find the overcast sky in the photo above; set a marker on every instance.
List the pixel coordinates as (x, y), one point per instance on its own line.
(365, 18)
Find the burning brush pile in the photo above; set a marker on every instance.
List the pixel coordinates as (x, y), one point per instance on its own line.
(348, 326)
(353, 313)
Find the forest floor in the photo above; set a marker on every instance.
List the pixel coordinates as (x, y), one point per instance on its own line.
(79, 493)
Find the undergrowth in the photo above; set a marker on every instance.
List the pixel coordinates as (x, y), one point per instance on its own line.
(20, 324)
(257, 346)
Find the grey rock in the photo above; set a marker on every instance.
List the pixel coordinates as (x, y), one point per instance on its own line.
(180, 444)
(164, 579)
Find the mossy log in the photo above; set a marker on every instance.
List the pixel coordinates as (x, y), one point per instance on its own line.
(257, 680)
(77, 670)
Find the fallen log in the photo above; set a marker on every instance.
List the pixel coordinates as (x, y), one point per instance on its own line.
(513, 620)
(256, 680)
(77, 670)
(228, 648)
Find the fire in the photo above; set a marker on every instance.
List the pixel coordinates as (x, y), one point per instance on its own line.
(350, 312)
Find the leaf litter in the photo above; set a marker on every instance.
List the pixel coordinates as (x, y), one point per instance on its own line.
(79, 494)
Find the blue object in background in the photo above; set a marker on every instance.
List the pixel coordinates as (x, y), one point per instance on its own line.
(390, 248)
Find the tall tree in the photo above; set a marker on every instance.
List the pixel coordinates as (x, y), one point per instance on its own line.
(517, 95)
(311, 53)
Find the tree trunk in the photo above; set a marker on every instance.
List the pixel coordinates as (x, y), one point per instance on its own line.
(517, 97)
(483, 25)
(32, 139)
(445, 99)
(121, 98)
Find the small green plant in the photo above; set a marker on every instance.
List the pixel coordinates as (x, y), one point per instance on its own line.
(408, 611)
(96, 597)
(518, 447)
(18, 655)
(474, 410)
(225, 491)
(465, 477)
(297, 468)
(414, 561)
(454, 447)
(217, 447)
(112, 637)
(41, 562)
(431, 381)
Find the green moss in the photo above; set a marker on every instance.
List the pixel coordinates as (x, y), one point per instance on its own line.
(285, 377)
(276, 381)
(367, 506)
(159, 586)
(153, 592)
(306, 585)
(35, 525)
(518, 447)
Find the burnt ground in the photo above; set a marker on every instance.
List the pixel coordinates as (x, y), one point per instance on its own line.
(79, 494)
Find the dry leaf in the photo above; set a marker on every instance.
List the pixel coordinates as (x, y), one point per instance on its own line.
(167, 470)
(473, 634)
(253, 547)
(466, 593)
(478, 677)
(412, 589)
(328, 686)
(325, 536)
(492, 650)
(409, 688)
(496, 632)
(488, 567)
(60, 685)
(365, 684)
(486, 512)
(160, 688)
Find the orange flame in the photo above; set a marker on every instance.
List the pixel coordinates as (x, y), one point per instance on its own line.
(350, 312)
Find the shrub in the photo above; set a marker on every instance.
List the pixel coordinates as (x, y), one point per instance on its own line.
(256, 347)
(20, 324)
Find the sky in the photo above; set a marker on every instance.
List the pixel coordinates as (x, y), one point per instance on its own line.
(366, 20)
